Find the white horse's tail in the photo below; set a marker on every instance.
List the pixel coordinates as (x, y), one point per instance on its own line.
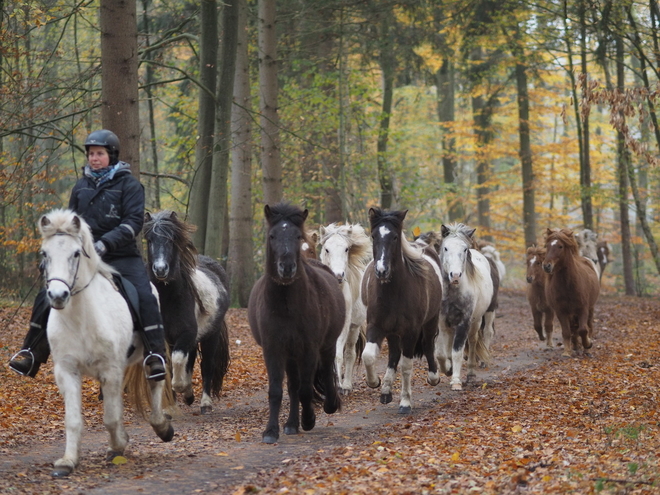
(482, 351)
(139, 392)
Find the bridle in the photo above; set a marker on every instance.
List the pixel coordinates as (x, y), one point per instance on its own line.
(71, 287)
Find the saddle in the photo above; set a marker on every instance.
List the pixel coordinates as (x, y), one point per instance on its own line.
(129, 292)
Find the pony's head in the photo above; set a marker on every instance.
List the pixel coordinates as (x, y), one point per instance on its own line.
(286, 233)
(455, 256)
(170, 250)
(587, 241)
(535, 257)
(69, 258)
(308, 246)
(386, 233)
(430, 238)
(344, 246)
(560, 244)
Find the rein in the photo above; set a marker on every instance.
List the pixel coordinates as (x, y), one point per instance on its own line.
(72, 291)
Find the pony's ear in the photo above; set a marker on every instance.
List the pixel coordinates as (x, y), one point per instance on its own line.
(75, 221)
(267, 212)
(321, 231)
(470, 232)
(147, 216)
(444, 231)
(174, 216)
(372, 213)
(402, 214)
(44, 221)
(315, 237)
(305, 214)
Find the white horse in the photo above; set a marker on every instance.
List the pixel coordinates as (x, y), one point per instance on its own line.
(587, 241)
(467, 293)
(346, 250)
(489, 251)
(90, 332)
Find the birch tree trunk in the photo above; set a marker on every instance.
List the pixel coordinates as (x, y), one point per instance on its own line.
(385, 175)
(240, 262)
(119, 78)
(268, 89)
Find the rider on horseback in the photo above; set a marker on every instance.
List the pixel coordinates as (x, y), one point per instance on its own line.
(111, 201)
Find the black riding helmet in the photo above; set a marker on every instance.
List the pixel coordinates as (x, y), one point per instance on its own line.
(108, 140)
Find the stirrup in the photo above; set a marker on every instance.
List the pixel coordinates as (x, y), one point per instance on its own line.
(25, 352)
(159, 375)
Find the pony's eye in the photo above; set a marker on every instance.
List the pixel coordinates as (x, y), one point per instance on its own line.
(327, 250)
(76, 254)
(346, 251)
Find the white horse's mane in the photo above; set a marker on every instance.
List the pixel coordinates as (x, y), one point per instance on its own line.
(359, 251)
(61, 221)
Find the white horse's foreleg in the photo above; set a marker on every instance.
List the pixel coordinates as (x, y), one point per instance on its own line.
(113, 409)
(443, 344)
(406, 364)
(489, 328)
(206, 402)
(350, 356)
(181, 377)
(157, 419)
(369, 356)
(69, 384)
(339, 353)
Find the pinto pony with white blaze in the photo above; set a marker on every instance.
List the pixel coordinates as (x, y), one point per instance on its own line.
(572, 288)
(536, 281)
(90, 332)
(401, 289)
(467, 295)
(346, 250)
(194, 295)
(296, 313)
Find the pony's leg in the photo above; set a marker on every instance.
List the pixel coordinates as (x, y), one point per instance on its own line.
(350, 356)
(458, 348)
(443, 343)
(548, 326)
(394, 346)
(293, 384)
(327, 375)
(429, 336)
(183, 360)
(476, 344)
(157, 419)
(584, 330)
(538, 323)
(339, 355)
(113, 410)
(488, 333)
(275, 369)
(405, 405)
(209, 351)
(565, 323)
(369, 355)
(69, 384)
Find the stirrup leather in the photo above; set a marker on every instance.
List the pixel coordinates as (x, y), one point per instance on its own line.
(22, 352)
(147, 368)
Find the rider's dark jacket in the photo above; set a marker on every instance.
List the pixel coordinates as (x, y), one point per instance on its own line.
(114, 209)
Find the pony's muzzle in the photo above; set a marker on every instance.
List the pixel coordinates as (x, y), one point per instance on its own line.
(383, 274)
(58, 299)
(161, 269)
(530, 280)
(286, 269)
(547, 267)
(455, 277)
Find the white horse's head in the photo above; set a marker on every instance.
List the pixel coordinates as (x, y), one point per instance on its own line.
(69, 258)
(344, 247)
(455, 251)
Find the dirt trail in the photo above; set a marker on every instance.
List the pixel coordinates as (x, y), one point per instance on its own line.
(217, 452)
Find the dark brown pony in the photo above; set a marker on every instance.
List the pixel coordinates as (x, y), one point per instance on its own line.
(604, 254)
(296, 313)
(403, 294)
(536, 280)
(572, 288)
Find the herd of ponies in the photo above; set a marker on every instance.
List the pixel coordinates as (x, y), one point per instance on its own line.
(327, 300)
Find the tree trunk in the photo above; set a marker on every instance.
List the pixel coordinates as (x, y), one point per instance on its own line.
(216, 241)
(446, 101)
(200, 190)
(268, 89)
(240, 262)
(529, 213)
(153, 191)
(585, 163)
(385, 175)
(120, 109)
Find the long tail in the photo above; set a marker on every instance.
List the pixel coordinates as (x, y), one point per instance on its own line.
(138, 391)
(221, 358)
(360, 343)
(482, 350)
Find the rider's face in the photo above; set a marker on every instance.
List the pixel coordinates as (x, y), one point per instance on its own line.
(98, 157)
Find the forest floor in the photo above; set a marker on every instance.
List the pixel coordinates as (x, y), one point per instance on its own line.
(533, 422)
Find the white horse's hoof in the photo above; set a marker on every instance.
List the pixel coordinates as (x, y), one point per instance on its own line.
(374, 384)
(206, 409)
(433, 379)
(405, 409)
(456, 386)
(62, 469)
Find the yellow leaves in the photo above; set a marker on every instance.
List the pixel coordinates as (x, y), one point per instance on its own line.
(119, 460)
(431, 59)
(516, 428)
(237, 436)
(456, 456)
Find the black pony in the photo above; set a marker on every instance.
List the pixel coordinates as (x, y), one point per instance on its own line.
(402, 291)
(194, 297)
(296, 312)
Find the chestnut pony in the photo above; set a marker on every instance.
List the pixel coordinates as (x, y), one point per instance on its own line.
(536, 280)
(572, 288)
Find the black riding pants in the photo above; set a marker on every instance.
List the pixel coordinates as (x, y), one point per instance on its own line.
(132, 269)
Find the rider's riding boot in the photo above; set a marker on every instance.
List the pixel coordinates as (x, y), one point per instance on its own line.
(35, 349)
(154, 360)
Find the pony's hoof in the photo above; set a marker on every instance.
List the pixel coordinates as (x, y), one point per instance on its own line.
(374, 385)
(308, 423)
(385, 398)
(270, 439)
(206, 409)
(189, 400)
(289, 430)
(433, 379)
(405, 409)
(168, 435)
(344, 391)
(456, 386)
(61, 471)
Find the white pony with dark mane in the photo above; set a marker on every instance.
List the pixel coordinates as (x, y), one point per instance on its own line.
(346, 250)
(467, 293)
(90, 333)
